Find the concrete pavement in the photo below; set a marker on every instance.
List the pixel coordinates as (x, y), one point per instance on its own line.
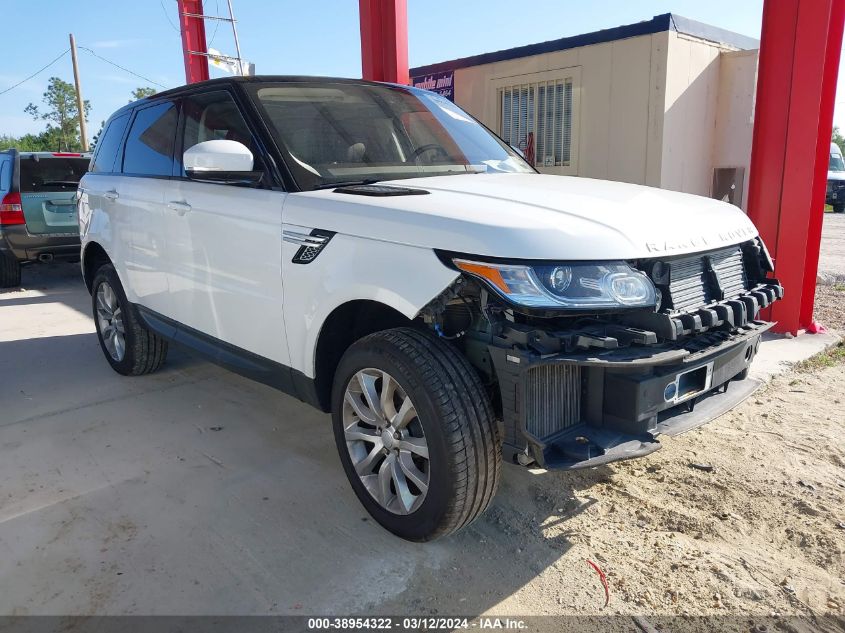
(190, 491)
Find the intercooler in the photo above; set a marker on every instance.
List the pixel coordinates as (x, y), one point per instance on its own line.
(552, 399)
(699, 280)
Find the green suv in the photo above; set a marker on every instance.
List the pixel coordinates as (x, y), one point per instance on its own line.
(38, 219)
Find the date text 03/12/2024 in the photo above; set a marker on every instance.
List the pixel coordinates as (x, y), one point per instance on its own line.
(415, 623)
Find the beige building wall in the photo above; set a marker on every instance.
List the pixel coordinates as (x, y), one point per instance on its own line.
(661, 109)
(689, 120)
(735, 113)
(620, 83)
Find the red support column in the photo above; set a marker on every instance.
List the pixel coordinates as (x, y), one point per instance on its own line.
(384, 40)
(799, 58)
(828, 103)
(193, 39)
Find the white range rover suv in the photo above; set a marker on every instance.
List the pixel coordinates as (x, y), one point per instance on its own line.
(374, 251)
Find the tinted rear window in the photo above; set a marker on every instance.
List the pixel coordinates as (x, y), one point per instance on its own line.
(5, 173)
(51, 173)
(109, 144)
(149, 145)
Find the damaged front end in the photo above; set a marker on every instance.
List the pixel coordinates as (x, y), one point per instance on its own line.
(576, 389)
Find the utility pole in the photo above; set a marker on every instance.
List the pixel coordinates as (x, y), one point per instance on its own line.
(80, 103)
(237, 43)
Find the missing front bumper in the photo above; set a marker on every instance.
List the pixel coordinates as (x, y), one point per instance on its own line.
(580, 411)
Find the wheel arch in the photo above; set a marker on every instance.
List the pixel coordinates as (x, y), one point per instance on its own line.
(93, 257)
(346, 324)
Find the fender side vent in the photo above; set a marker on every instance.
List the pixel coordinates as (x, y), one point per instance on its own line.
(310, 245)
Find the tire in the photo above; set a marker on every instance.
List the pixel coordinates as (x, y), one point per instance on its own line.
(454, 419)
(10, 272)
(143, 351)
(839, 208)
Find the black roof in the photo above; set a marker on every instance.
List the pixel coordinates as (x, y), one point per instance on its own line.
(222, 81)
(658, 24)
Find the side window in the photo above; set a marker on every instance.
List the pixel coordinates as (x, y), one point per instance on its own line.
(212, 116)
(149, 145)
(5, 173)
(108, 145)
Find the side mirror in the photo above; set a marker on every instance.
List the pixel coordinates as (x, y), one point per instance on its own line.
(221, 162)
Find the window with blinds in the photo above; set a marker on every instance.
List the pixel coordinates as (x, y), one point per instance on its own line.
(537, 119)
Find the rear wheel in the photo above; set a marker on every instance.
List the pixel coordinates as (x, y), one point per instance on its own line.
(416, 433)
(10, 272)
(839, 208)
(130, 348)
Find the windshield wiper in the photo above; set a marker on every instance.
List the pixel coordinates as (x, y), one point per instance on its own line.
(347, 183)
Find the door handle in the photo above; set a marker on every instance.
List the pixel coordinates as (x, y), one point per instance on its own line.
(111, 195)
(179, 207)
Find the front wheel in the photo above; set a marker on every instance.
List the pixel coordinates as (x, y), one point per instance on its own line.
(839, 208)
(416, 433)
(130, 348)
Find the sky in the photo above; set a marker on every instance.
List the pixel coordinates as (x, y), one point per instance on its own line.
(317, 37)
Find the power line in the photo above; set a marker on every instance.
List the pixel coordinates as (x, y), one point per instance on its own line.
(216, 22)
(175, 28)
(167, 15)
(124, 69)
(41, 70)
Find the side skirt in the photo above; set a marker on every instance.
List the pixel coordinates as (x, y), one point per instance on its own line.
(240, 361)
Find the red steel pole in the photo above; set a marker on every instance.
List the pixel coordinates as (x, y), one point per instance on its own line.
(193, 40)
(791, 121)
(828, 103)
(384, 40)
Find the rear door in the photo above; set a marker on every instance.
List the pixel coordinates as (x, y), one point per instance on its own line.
(138, 203)
(48, 192)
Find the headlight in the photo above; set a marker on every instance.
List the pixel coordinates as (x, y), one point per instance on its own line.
(578, 286)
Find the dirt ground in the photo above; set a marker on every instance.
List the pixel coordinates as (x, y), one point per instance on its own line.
(742, 516)
(830, 306)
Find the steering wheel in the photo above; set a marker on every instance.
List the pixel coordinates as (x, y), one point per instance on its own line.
(429, 147)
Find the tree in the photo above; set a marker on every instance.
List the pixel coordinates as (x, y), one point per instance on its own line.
(838, 138)
(142, 92)
(61, 114)
(96, 138)
(46, 141)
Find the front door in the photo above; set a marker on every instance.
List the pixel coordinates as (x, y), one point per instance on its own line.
(224, 271)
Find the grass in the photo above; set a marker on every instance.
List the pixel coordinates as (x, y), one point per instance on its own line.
(830, 357)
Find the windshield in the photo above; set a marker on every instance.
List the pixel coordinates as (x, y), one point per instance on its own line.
(52, 173)
(836, 163)
(337, 133)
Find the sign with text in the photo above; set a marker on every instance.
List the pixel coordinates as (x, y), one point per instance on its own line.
(441, 83)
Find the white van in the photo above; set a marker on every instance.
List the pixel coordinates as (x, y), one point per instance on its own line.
(374, 251)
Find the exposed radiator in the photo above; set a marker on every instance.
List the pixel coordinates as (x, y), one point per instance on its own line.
(688, 287)
(552, 399)
(730, 269)
(691, 284)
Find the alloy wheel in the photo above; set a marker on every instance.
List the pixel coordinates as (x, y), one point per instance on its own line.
(386, 441)
(110, 321)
